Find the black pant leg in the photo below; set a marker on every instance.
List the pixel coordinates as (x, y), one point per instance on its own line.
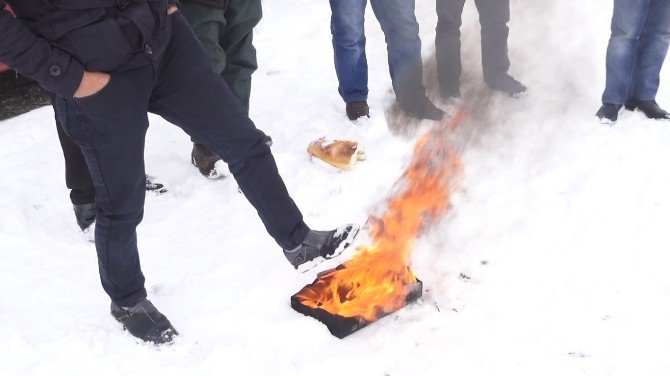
(494, 16)
(196, 99)
(448, 44)
(77, 177)
(110, 127)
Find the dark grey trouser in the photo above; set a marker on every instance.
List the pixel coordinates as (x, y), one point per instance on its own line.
(493, 17)
(227, 36)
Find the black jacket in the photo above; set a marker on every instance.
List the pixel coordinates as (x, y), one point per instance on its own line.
(54, 41)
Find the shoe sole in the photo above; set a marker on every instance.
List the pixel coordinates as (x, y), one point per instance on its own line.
(346, 243)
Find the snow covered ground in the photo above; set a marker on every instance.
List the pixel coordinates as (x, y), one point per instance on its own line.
(555, 259)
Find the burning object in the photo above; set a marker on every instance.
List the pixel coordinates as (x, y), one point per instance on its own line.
(377, 280)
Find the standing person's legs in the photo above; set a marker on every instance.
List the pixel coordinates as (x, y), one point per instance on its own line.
(448, 46)
(627, 25)
(347, 26)
(493, 17)
(652, 51)
(77, 177)
(401, 31)
(236, 38)
(191, 96)
(110, 127)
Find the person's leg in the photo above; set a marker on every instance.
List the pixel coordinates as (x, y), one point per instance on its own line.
(401, 31)
(448, 46)
(493, 17)
(110, 127)
(627, 25)
(237, 40)
(191, 96)
(77, 177)
(348, 31)
(207, 24)
(652, 51)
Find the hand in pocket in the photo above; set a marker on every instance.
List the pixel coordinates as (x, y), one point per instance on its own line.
(91, 84)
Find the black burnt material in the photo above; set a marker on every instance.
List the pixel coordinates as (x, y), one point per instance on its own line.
(341, 326)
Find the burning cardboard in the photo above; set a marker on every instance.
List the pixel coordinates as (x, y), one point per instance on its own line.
(342, 326)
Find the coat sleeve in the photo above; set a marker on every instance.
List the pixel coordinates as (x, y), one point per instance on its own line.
(56, 70)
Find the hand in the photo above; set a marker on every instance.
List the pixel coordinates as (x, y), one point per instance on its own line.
(172, 9)
(91, 84)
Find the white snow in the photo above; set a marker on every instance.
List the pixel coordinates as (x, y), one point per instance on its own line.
(554, 260)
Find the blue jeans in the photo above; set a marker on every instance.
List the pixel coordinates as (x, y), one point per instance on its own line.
(401, 31)
(637, 49)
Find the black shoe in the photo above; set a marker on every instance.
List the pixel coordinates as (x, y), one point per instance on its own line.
(321, 245)
(450, 93)
(145, 322)
(151, 185)
(650, 109)
(507, 84)
(205, 161)
(358, 109)
(85, 214)
(422, 108)
(608, 113)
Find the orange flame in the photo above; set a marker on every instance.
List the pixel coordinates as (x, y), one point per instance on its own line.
(375, 280)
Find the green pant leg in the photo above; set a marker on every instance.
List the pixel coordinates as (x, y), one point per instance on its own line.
(207, 24)
(237, 40)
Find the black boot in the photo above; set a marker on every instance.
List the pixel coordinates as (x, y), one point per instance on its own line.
(145, 322)
(358, 109)
(650, 109)
(85, 214)
(506, 84)
(608, 113)
(321, 245)
(422, 108)
(449, 93)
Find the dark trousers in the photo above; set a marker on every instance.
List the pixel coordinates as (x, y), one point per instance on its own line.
(110, 126)
(227, 36)
(493, 17)
(77, 177)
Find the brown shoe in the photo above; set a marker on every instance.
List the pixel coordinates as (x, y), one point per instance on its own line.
(356, 110)
(205, 161)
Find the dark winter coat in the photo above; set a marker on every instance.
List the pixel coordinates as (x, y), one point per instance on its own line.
(54, 41)
(217, 4)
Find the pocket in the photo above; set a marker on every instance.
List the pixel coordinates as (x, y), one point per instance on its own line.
(98, 93)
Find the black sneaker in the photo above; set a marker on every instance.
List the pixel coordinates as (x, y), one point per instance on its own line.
(422, 108)
(650, 109)
(507, 84)
(85, 215)
(608, 113)
(321, 245)
(151, 185)
(358, 109)
(205, 161)
(449, 93)
(145, 322)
